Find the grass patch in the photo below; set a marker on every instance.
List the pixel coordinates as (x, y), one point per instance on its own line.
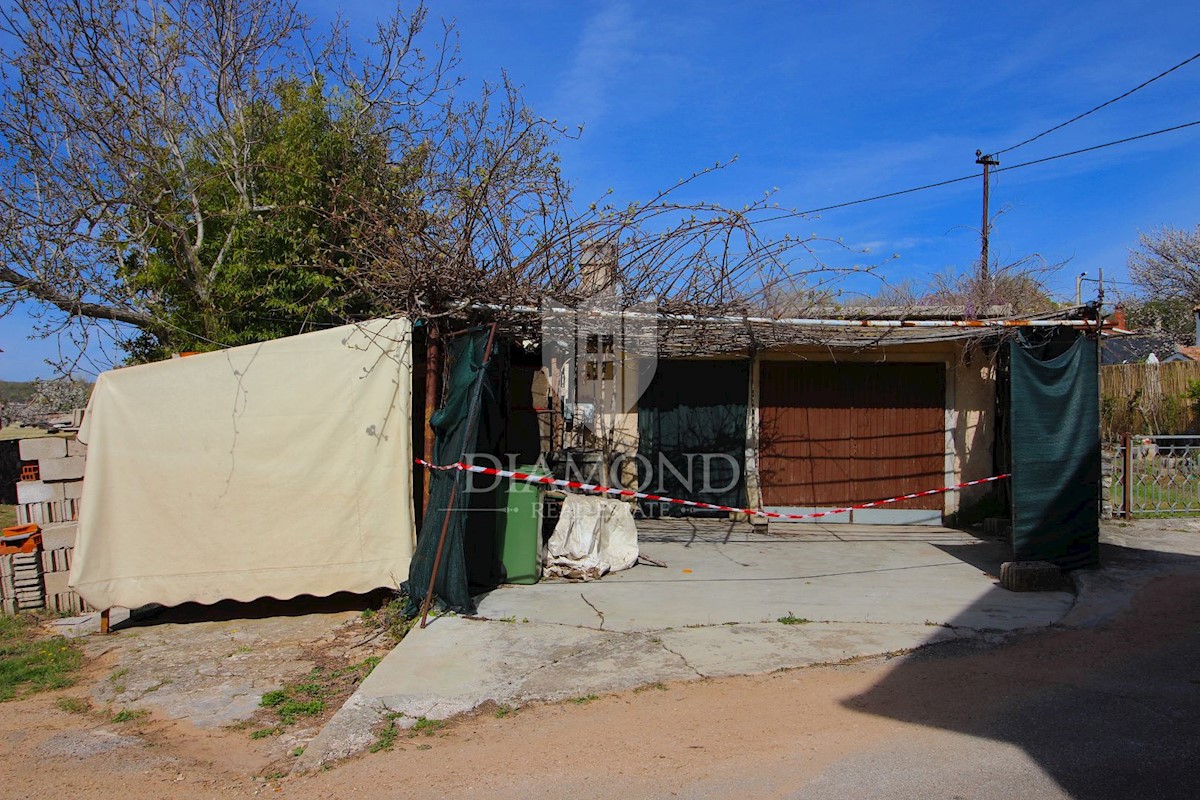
(73, 705)
(662, 687)
(263, 733)
(427, 726)
(8, 515)
(503, 711)
(793, 620)
(386, 739)
(129, 714)
(582, 701)
(30, 662)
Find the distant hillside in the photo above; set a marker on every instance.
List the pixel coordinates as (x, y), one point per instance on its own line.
(16, 391)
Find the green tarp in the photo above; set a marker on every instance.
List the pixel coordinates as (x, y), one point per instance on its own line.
(468, 417)
(692, 432)
(1055, 441)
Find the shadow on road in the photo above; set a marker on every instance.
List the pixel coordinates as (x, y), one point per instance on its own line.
(1108, 712)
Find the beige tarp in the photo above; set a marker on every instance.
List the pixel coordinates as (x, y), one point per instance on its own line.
(269, 470)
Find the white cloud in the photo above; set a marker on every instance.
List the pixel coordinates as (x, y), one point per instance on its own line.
(606, 48)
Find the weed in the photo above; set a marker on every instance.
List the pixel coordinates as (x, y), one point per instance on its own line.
(291, 709)
(387, 738)
(273, 698)
(509, 618)
(274, 776)
(118, 674)
(73, 705)
(427, 726)
(524, 619)
(297, 752)
(390, 618)
(793, 620)
(424, 747)
(29, 663)
(263, 733)
(587, 698)
(662, 687)
(503, 711)
(367, 665)
(129, 715)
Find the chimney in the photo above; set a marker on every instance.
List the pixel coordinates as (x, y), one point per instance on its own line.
(1118, 317)
(598, 269)
(1196, 313)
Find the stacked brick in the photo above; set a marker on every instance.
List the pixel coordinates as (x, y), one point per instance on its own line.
(53, 497)
(21, 587)
(49, 496)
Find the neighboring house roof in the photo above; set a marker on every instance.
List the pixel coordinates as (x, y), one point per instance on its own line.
(1189, 353)
(1137, 347)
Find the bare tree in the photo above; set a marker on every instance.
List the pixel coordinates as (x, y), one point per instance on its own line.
(1166, 264)
(144, 183)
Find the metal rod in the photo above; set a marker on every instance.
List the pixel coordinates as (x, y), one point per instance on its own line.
(818, 322)
(437, 558)
(1127, 468)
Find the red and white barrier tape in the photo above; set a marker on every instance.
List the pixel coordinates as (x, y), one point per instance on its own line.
(591, 487)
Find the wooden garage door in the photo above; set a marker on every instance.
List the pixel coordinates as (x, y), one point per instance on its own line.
(837, 434)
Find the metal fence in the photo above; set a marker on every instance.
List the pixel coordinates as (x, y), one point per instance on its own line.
(1156, 476)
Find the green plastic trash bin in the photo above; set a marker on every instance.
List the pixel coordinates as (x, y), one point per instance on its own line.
(520, 530)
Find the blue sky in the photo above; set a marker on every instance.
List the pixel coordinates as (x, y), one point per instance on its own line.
(832, 102)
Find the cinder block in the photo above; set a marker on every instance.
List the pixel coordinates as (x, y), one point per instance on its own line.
(39, 492)
(62, 469)
(44, 447)
(76, 448)
(1031, 576)
(57, 560)
(56, 582)
(7, 589)
(59, 535)
(72, 489)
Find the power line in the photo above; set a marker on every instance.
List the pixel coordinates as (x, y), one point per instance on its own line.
(1097, 108)
(1022, 165)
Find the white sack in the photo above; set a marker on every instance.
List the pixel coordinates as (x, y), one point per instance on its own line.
(269, 470)
(594, 535)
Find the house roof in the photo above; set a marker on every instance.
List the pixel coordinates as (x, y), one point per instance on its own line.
(684, 336)
(727, 336)
(1137, 347)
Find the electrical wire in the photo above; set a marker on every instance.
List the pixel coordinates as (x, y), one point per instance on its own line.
(1140, 86)
(975, 176)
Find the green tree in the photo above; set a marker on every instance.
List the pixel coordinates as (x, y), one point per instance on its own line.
(318, 168)
(213, 172)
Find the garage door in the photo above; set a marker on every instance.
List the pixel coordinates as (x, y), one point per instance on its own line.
(837, 434)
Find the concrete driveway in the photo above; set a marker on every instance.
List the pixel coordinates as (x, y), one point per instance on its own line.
(729, 601)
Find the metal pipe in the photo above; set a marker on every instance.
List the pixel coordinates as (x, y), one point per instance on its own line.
(816, 323)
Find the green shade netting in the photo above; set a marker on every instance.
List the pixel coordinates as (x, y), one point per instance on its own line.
(1055, 440)
(470, 406)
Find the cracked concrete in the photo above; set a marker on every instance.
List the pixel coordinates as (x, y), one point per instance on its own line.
(713, 611)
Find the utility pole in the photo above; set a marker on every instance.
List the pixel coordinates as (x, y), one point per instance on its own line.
(987, 162)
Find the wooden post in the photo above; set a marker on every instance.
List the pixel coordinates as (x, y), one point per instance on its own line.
(1127, 476)
(433, 385)
(104, 620)
(472, 420)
